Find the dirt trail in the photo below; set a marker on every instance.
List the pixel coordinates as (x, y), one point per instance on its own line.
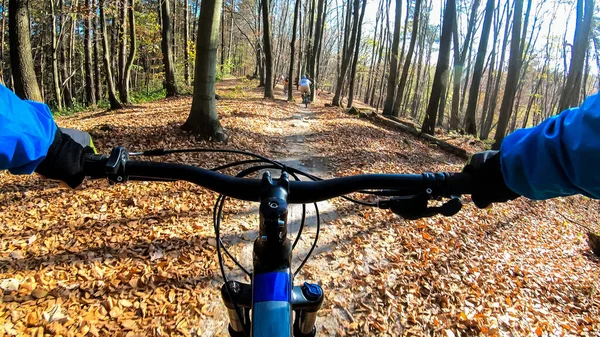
(297, 151)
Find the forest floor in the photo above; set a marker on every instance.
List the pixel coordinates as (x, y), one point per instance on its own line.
(139, 260)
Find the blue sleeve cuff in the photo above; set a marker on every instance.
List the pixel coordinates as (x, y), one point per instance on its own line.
(559, 157)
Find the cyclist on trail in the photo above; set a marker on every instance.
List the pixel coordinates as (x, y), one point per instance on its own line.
(558, 157)
(30, 141)
(305, 85)
(285, 85)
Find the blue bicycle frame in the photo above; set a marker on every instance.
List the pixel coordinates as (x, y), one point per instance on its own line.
(271, 304)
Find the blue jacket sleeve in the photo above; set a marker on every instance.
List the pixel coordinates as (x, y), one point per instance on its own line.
(559, 157)
(26, 131)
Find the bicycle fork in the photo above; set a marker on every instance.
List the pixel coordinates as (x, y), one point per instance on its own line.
(306, 302)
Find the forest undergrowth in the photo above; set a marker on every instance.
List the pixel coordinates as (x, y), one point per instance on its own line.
(139, 260)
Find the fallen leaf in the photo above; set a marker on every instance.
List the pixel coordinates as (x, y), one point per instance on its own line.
(10, 284)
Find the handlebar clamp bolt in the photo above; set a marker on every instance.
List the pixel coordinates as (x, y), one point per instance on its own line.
(273, 204)
(234, 287)
(428, 191)
(119, 178)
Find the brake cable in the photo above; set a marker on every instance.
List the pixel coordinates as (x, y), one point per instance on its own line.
(220, 203)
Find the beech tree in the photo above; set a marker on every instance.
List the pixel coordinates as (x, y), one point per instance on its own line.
(391, 85)
(267, 49)
(203, 119)
(112, 94)
(470, 126)
(570, 96)
(25, 81)
(514, 68)
(440, 79)
(167, 49)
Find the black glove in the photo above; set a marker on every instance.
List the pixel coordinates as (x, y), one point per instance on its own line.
(487, 179)
(65, 157)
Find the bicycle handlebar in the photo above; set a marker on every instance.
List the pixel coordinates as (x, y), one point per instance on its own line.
(118, 168)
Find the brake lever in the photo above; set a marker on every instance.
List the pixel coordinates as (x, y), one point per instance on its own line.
(415, 206)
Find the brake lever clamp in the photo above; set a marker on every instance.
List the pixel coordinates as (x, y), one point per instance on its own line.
(415, 206)
(115, 165)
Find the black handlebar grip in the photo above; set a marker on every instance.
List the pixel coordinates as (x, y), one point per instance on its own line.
(459, 183)
(94, 166)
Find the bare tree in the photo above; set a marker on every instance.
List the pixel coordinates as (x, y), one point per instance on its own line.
(337, 98)
(440, 78)
(470, 125)
(391, 85)
(125, 98)
(267, 49)
(293, 49)
(167, 49)
(409, 55)
(90, 90)
(112, 95)
(459, 62)
(570, 94)
(97, 60)
(355, 58)
(512, 77)
(186, 37)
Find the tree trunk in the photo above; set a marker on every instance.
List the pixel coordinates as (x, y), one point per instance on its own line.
(470, 124)
(54, 53)
(391, 85)
(409, 55)
(2, 42)
(442, 107)
(312, 62)
(186, 38)
(514, 68)
(570, 94)
(487, 125)
(459, 63)
(97, 61)
(21, 60)
(371, 78)
(337, 98)
(174, 31)
(203, 119)
(267, 49)
(355, 59)
(125, 98)
(440, 79)
(167, 50)
(90, 91)
(293, 50)
(222, 41)
(64, 54)
(490, 83)
(122, 26)
(319, 49)
(515, 113)
(378, 71)
(112, 95)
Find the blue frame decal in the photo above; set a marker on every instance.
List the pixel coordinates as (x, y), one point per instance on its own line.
(273, 286)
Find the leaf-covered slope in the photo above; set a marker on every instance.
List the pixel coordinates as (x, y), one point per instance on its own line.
(139, 259)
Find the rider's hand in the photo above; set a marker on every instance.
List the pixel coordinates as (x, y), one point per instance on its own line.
(487, 178)
(65, 157)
